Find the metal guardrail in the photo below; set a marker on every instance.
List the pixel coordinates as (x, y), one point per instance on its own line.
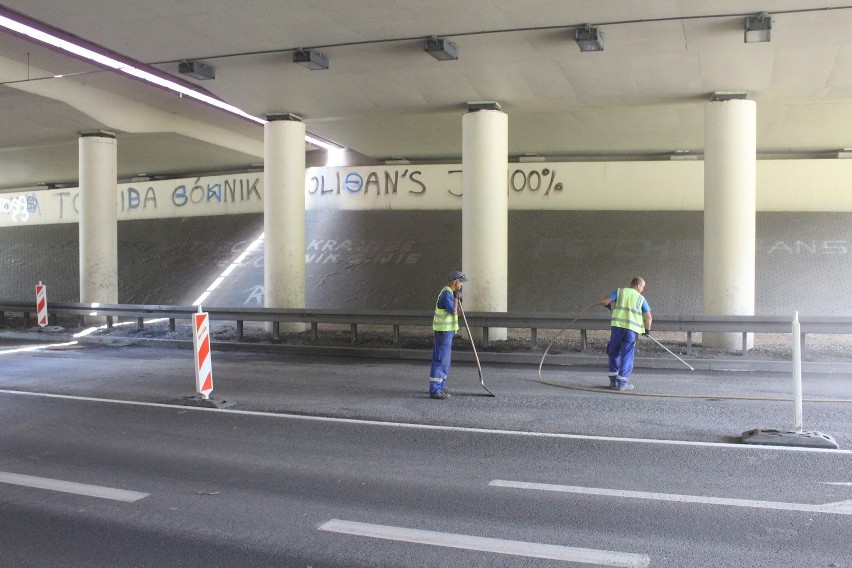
(484, 320)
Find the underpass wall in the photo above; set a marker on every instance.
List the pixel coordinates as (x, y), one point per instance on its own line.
(371, 248)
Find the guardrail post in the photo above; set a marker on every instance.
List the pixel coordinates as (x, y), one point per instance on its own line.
(140, 324)
(239, 330)
(27, 319)
(276, 329)
(689, 343)
(81, 321)
(745, 344)
(314, 330)
(109, 322)
(354, 332)
(485, 336)
(396, 334)
(584, 340)
(2, 318)
(534, 336)
(172, 324)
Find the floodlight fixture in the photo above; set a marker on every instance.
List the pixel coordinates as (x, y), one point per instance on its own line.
(589, 38)
(441, 48)
(197, 70)
(757, 28)
(310, 58)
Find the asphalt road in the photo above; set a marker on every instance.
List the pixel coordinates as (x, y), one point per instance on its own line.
(342, 462)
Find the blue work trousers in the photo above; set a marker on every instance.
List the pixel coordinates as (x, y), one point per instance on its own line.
(440, 360)
(620, 350)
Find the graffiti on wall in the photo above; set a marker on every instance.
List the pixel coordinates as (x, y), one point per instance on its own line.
(153, 200)
(802, 247)
(367, 183)
(425, 187)
(20, 208)
(354, 253)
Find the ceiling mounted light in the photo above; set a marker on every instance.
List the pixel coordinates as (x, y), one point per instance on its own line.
(441, 49)
(313, 60)
(757, 28)
(197, 70)
(589, 38)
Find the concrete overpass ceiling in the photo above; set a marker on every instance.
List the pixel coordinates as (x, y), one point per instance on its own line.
(383, 96)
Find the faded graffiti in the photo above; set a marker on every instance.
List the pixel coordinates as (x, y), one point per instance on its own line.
(350, 253)
(255, 295)
(803, 247)
(20, 208)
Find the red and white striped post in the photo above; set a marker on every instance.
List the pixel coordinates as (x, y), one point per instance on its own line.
(41, 304)
(201, 345)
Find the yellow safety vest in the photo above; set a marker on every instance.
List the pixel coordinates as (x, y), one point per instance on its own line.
(627, 310)
(444, 320)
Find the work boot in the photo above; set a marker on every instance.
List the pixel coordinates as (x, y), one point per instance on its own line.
(621, 384)
(613, 381)
(440, 395)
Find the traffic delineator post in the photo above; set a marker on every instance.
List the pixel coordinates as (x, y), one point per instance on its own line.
(41, 304)
(201, 347)
(203, 364)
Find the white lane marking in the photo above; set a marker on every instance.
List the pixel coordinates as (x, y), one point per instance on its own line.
(838, 508)
(744, 447)
(485, 544)
(843, 483)
(71, 487)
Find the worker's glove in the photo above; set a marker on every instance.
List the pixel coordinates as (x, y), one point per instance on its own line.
(458, 295)
(608, 306)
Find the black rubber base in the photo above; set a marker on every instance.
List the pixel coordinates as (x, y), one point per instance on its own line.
(199, 401)
(811, 439)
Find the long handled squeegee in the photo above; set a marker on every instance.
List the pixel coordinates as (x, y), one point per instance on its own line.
(478, 365)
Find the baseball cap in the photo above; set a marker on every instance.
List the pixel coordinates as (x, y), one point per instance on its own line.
(457, 275)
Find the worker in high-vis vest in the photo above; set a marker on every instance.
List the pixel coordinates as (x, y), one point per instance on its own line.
(631, 316)
(445, 324)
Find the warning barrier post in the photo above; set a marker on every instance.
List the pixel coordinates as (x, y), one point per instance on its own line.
(41, 304)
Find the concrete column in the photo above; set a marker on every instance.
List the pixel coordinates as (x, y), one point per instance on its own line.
(284, 214)
(485, 212)
(98, 217)
(730, 147)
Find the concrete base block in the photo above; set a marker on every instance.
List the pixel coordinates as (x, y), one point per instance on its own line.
(198, 400)
(803, 439)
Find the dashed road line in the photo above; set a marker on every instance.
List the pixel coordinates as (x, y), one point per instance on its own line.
(485, 544)
(71, 487)
(838, 508)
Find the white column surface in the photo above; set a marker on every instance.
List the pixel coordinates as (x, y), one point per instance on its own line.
(98, 217)
(284, 217)
(485, 212)
(729, 213)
